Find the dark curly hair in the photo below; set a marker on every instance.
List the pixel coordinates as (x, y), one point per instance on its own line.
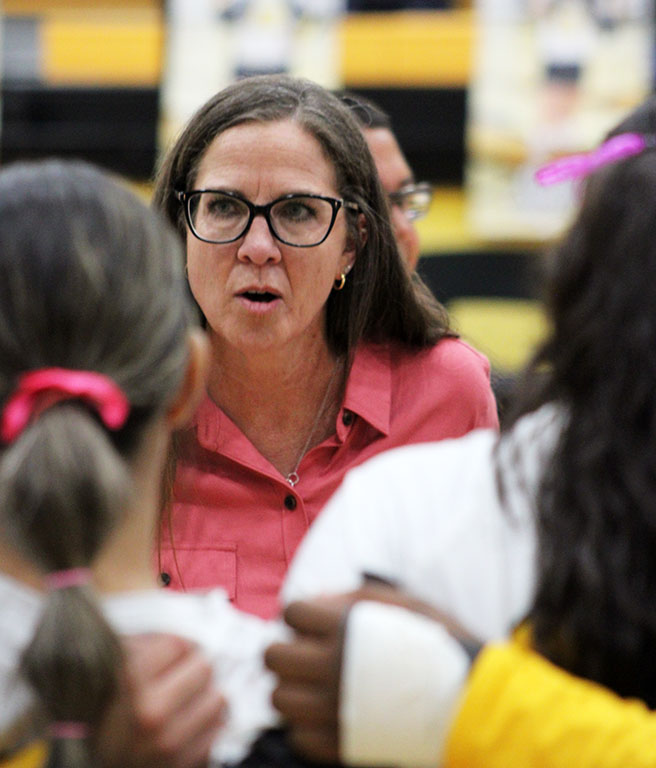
(596, 507)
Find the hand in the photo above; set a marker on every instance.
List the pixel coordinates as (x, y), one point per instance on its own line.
(309, 666)
(168, 713)
(309, 669)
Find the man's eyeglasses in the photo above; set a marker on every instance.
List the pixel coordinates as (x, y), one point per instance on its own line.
(298, 220)
(413, 199)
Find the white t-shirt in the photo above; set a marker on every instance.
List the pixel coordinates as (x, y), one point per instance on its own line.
(429, 518)
(233, 642)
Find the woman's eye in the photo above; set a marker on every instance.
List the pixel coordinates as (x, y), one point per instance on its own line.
(223, 207)
(296, 210)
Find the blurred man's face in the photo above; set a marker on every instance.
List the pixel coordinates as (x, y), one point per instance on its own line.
(394, 173)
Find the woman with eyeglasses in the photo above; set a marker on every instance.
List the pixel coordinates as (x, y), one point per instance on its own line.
(325, 351)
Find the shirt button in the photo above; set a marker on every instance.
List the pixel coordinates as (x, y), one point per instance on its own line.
(347, 418)
(165, 578)
(290, 502)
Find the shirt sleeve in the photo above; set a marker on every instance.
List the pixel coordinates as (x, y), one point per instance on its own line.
(519, 709)
(482, 402)
(451, 382)
(401, 679)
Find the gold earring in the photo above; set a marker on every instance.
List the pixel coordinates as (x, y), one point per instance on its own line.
(339, 284)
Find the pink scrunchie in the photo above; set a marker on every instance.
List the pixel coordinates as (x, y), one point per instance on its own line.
(68, 729)
(40, 389)
(68, 577)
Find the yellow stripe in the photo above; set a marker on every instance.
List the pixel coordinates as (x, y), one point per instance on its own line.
(446, 228)
(506, 330)
(410, 48)
(103, 50)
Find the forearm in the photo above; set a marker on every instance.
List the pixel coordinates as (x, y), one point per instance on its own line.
(370, 683)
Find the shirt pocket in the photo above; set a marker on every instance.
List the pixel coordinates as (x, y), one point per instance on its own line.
(188, 568)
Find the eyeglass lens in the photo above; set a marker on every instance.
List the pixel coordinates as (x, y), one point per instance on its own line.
(298, 220)
(413, 200)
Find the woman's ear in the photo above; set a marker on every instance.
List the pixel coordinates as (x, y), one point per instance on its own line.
(193, 383)
(363, 232)
(352, 247)
(357, 242)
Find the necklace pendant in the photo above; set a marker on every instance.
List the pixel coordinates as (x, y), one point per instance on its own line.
(292, 478)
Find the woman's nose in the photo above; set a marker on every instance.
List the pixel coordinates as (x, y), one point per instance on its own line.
(258, 244)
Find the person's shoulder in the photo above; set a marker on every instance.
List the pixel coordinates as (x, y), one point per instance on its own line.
(450, 381)
(164, 610)
(206, 617)
(456, 353)
(391, 508)
(450, 355)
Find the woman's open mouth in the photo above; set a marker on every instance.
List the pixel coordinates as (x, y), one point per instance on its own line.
(259, 296)
(258, 301)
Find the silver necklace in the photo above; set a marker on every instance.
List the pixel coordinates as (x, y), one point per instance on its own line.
(292, 477)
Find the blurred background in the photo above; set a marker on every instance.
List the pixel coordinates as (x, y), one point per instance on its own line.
(480, 94)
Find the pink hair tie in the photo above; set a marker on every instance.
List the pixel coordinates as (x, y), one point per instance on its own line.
(68, 729)
(578, 166)
(40, 389)
(69, 577)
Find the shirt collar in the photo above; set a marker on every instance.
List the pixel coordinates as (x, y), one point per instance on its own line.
(369, 386)
(213, 428)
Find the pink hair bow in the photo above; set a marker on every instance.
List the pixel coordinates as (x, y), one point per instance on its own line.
(40, 389)
(578, 166)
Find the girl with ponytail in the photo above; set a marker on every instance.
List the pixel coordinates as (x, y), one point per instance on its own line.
(100, 359)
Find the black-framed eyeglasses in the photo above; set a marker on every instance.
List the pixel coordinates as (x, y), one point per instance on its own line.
(413, 199)
(217, 216)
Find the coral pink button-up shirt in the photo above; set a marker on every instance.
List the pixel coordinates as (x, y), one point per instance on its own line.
(236, 521)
